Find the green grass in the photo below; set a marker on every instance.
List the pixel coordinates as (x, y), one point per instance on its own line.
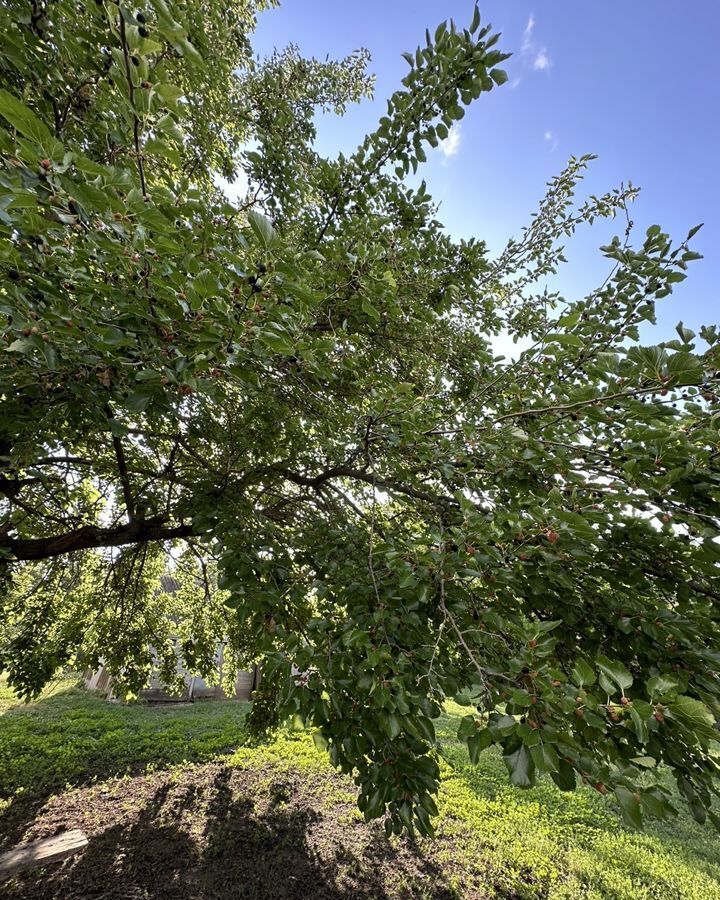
(524, 844)
(71, 736)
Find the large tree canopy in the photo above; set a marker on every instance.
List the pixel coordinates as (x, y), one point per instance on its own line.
(297, 395)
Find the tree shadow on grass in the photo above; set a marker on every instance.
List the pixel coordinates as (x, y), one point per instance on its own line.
(75, 738)
(220, 834)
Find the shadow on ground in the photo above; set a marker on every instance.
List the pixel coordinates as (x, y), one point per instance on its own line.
(215, 832)
(73, 738)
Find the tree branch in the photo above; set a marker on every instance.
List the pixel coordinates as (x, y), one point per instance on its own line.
(359, 475)
(91, 537)
(122, 469)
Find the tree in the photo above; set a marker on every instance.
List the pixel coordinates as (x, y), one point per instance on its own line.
(300, 390)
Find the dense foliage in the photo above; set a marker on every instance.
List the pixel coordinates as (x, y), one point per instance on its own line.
(300, 389)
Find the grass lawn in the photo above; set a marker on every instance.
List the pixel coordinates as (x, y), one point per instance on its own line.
(177, 808)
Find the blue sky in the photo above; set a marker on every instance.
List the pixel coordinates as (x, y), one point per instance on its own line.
(637, 83)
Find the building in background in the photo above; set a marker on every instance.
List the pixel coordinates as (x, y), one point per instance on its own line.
(196, 687)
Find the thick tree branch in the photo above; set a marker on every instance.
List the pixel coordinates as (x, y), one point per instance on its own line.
(91, 537)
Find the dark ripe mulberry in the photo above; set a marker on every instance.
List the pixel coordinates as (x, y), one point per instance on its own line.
(143, 32)
(135, 60)
(262, 268)
(141, 18)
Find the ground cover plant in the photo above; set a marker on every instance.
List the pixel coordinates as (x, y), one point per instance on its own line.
(274, 820)
(297, 393)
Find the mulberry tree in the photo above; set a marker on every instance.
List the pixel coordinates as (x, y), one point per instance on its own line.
(296, 393)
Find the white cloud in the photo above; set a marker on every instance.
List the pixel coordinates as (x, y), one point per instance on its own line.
(527, 34)
(533, 54)
(450, 146)
(514, 83)
(542, 61)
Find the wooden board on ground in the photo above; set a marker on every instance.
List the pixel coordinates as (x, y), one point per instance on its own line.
(42, 852)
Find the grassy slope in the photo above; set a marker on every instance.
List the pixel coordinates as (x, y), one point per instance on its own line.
(530, 844)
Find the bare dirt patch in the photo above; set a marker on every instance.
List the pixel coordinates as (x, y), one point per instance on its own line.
(216, 831)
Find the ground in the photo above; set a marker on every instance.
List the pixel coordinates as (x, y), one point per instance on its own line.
(178, 806)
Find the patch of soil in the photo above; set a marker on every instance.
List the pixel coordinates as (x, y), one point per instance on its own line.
(215, 832)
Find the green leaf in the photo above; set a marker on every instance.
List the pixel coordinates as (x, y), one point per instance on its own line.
(640, 723)
(662, 687)
(393, 725)
(549, 625)
(685, 368)
(615, 672)
(545, 758)
(629, 807)
(369, 309)
(502, 726)
(499, 76)
(463, 699)
(426, 728)
(467, 727)
(698, 811)
(262, 228)
(521, 697)
(653, 805)
(686, 334)
(570, 319)
(170, 93)
(24, 120)
(428, 804)
(320, 740)
(645, 762)
(694, 714)
(565, 777)
(567, 339)
(51, 357)
(20, 345)
(117, 428)
(583, 673)
(521, 766)
(477, 743)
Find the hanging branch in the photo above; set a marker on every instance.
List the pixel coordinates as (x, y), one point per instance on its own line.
(131, 96)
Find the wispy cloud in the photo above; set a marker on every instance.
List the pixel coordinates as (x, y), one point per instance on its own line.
(527, 34)
(450, 146)
(533, 54)
(514, 83)
(551, 138)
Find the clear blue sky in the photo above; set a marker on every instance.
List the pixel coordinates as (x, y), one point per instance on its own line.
(637, 83)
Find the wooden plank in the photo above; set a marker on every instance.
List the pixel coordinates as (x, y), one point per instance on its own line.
(42, 852)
